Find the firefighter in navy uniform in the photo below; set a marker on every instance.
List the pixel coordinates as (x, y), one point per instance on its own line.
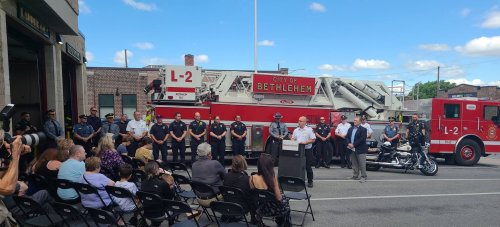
(218, 141)
(238, 136)
(178, 131)
(415, 133)
(197, 130)
(324, 150)
(83, 133)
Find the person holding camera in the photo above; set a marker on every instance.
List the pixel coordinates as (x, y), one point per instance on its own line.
(52, 129)
(8, 182)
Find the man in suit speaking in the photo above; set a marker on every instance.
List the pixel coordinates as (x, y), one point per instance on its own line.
(356, 143)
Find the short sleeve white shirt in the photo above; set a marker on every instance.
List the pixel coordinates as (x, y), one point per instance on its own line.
(303, 135)
(369, 129)
(137, 127)
(342, 128)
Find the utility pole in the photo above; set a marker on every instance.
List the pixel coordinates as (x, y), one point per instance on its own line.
(437, 84)
(255, 58)
(126, 60)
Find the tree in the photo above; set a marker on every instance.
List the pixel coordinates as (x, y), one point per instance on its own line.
(428, 89)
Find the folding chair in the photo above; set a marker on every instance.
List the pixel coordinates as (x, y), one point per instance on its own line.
(111, 174)
(86, 189)
(65, 184)
(177, 208)
(288, 186)
(34, 214)
(122, 193)
(182, 193)
(203, 192)
(127, 159)
(137, 163)
(138, 176)
(102, 217)
(177, 166)
(41, 183)
(151, 202)
(235, 195)
(70, 215)
(229, 209)
(263, 199)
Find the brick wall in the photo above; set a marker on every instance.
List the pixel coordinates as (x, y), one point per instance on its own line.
(126, 80)
(491, 92)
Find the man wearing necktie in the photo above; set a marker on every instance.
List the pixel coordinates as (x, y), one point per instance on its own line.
(110, 127)
(52, 129)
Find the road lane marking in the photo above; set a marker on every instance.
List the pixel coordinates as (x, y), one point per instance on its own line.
(416, 180)
(403, 196)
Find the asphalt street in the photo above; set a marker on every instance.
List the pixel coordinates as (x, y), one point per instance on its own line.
(456, 196)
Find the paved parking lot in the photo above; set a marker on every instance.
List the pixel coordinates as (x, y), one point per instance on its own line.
(456, 196)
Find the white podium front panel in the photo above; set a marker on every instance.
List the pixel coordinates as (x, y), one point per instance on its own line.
(290, 145)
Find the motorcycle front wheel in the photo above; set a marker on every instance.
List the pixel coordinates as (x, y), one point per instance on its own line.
(430, 168)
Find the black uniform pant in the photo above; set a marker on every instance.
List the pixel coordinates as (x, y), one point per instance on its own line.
(194, 147)
(218, 150)
(418, 148)
(343, 152)
(238, 147)
(157, 148)
(86, 145)
(324, 152)
(133, 148)
(309, 163)
(176, 147)
(395, 143)
(276, 147)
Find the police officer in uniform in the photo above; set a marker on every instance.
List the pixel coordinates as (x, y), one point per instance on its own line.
(278, 132)
(159, 134)
(197, 130)
(178, 131)
(218, 141)
(324, 150)
(95, 122)
(83, 134)
(110, 127)
(238, 136)
(391, 133)
(340, 133)
(415, 133)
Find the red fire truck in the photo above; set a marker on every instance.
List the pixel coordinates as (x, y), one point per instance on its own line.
(257, 97)
(463, 130)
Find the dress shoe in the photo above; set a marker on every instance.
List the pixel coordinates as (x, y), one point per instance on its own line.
(362, 180)
(352, 178)
(310, 184)
(317, 166)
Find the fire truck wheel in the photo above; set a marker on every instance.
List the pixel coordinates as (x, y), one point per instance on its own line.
(468, 153)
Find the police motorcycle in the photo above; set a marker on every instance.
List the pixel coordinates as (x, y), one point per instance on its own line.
(401, 157)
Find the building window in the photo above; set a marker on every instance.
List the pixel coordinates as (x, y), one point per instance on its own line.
(106, 105)
(490, 112)
(452, 111)
(129, 105)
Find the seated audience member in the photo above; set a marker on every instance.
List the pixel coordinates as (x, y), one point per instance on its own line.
(265, 179)
(208, 171)
(49, 162)
(159, 183)
(110, 158)
(125, 175)
(72, 170)
(122, 149)
(94, 178)
(237, 176)
(145, 152)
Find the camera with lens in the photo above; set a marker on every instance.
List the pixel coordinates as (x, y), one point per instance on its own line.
(33, 139)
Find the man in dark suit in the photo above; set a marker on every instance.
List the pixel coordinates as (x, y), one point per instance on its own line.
(356, 143)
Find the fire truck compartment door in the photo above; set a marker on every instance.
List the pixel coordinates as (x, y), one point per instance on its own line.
(450, 127)
(257, 138)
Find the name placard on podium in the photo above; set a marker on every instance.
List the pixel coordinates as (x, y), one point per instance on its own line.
(290, 145)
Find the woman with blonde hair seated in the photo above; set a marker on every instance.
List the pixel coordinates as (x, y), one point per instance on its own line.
(110, 158)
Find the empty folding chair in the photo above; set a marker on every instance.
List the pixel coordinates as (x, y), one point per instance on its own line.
(177, 208)
(34, 214)
(71, 216)
(230, 210)
(177, 166)
(181, 181)
(295, 188)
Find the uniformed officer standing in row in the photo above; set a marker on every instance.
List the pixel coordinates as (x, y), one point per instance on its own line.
(278, 132)
(367, 126)
(238, 136)
(110, 127)
(95, 122)
(218, 133)
(159, 134)
(323, 146)
(391, 132)
(197, 130)
(341, 133)
(82, 135)
(178, 131)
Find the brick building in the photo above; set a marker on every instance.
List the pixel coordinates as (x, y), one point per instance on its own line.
(465, 90)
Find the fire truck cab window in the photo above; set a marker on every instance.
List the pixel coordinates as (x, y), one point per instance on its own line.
(490, 112)
(452, 111)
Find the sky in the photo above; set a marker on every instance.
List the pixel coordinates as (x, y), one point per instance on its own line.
(360, 39)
